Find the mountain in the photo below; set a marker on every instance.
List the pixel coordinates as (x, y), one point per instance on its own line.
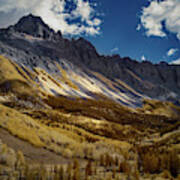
(33, 44)
(67, 112)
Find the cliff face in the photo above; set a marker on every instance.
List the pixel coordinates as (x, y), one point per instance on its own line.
(33, 44)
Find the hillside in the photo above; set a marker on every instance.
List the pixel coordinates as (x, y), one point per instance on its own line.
(68, 130)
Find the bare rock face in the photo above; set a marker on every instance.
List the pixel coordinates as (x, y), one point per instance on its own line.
(44, 47)
(35, 27)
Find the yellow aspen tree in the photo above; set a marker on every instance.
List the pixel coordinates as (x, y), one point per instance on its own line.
(69, 172)
(61, 173)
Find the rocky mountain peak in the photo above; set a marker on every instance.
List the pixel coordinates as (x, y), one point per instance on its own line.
(34, 26)
(85, 48)
(81, 42)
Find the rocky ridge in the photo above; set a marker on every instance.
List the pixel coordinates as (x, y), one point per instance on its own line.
(32, 43)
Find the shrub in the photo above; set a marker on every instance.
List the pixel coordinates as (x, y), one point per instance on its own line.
(166, 174)
(151, 163)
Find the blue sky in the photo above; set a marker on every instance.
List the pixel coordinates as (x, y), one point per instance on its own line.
(119, 33)
(140, 29)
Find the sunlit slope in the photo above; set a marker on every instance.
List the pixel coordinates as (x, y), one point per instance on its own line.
(64, 79)
(70, 80)
(19, 86)
(8, 71)
(157, 107)
(13, 78)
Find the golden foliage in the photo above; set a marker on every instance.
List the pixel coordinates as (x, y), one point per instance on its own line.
(156, 161)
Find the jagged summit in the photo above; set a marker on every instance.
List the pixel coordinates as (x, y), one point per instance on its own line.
(35, 26)
(81, 42)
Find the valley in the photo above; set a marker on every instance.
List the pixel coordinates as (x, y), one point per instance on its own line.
(67, 114)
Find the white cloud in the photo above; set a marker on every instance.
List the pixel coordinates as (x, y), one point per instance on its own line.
(159, 12)
(143, 58)
(83, 10)
(9, 5)
(95, 22)
(114, 50)
(54, 13)
(138, 28)
(176, 62)
(171, 52)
